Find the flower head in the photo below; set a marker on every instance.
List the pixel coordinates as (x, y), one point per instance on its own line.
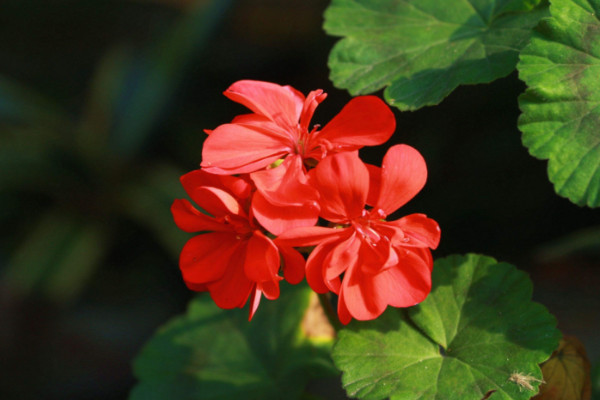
(234, 259)
(279, 128)
(383, 262)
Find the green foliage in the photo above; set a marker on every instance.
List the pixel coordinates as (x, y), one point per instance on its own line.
(57, 258)
(154, 78)
(596, 381)
(561, 107)
(19, 104)
(83, 165)
(146, 200)
(421, 50)
(211, 353)
(475, 330)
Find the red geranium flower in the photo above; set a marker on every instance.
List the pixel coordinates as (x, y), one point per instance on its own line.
(383, 262)
(279, 128)
(234, 260)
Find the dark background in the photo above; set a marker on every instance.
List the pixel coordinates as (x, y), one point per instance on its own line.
(102, 107)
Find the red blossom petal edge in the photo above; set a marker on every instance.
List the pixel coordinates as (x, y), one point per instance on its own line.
(382, 262)
(234, 259)
(270, 172)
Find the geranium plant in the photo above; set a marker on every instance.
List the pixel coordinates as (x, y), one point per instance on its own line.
(278, 199)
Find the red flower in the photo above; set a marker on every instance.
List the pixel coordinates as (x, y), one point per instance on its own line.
(234, 260)
(383, 262)
(279, 128)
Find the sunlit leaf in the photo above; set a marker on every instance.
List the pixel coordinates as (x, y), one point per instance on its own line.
(211, 353)
(475, 331)
(567, 373)
(421, 50)
(561, 107)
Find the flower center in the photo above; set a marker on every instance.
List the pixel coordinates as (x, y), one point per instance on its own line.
(363, 226)
(302, 145)
(240, 226)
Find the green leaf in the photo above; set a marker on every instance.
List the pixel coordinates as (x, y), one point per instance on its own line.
(475, 330)
(211, 353)
(561, 107)
(422, 50)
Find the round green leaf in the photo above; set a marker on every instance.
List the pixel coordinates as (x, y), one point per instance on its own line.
(422, 50)
(474, 335)
(211, 353)
(561, 107)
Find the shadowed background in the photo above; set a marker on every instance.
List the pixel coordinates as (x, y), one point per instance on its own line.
(102, 107)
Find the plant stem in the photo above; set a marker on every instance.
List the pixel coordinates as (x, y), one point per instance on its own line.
(325, 300)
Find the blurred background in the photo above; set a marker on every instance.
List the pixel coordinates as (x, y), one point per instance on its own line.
(102, 108)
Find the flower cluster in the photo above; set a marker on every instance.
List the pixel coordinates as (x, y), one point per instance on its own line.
(269, 183)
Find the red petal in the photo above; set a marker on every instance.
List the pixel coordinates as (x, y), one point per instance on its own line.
(376, 258)
(286, 184)
(403, 175)
(361, 296)
(374, 184)
(315, 267)
(364, 121)
(343, 313)
(189, 219)
(278, 219)
(311, 236)
(197, 287)
(204, 258)
(281, 104)
(236, 149)
(293, 264)
(218, 202)
(191, 181)
(254, 301)
(262, 258)
(334, 284)
(409, 282)
(313, 99)
(284, 200)
(233, 289)
(251, 119)
(270, 289)
(342, 256)
(418, 231)
(343, 184)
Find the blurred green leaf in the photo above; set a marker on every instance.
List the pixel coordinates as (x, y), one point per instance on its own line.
(108, 81)
(57, 259)
(585, 241)
(148, 201)
(20, 104)
(596, 381)
(475, 330)
(211, 353)
(147, 83)
(561, 107)
(420, 50)
(35, 159)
